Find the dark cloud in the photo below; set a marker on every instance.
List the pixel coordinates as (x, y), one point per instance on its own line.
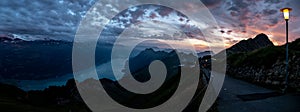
(268, 12)
(234, 13)
(164, 11)
(229, 32)
(272, 1)
(55, 18)
(60, 18)
(211, 3)
(274, 21)
(233, 9)
(234, 41)
(240, 4)
(222, 31)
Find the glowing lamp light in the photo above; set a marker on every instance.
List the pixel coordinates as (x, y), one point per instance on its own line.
(286, 13)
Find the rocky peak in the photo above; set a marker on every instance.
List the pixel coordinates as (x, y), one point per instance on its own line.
(250, 44)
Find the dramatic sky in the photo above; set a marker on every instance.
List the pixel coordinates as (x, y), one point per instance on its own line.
(238, 19)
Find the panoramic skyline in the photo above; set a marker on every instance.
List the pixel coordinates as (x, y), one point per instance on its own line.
(150, 55)
(237, 20)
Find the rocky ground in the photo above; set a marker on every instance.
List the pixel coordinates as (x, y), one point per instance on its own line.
(273, 77)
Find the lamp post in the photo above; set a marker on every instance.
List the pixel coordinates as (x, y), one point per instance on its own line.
(286, 14)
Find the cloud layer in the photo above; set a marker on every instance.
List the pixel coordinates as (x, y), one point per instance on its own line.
(42, 18)
(59, 19)
(241, 19)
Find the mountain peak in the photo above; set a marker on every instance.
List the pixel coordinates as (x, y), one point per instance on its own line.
(259, 41)
(262, 36)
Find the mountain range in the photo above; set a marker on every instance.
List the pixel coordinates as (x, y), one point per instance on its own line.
(255, 60)
(67, 98)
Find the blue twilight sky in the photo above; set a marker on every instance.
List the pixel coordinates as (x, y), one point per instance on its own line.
(238, 19)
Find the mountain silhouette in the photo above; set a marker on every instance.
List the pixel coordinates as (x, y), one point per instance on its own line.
(260, 41)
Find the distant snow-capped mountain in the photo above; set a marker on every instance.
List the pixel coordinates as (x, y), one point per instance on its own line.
(4, 37)
(22, 37)
(16, 37)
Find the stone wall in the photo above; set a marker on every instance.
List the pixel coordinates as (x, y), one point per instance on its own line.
(273, 77)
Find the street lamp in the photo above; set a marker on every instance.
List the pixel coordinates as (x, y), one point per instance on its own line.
(286, 14)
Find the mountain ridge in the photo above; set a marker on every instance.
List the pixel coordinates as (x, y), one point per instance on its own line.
(259, 41)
